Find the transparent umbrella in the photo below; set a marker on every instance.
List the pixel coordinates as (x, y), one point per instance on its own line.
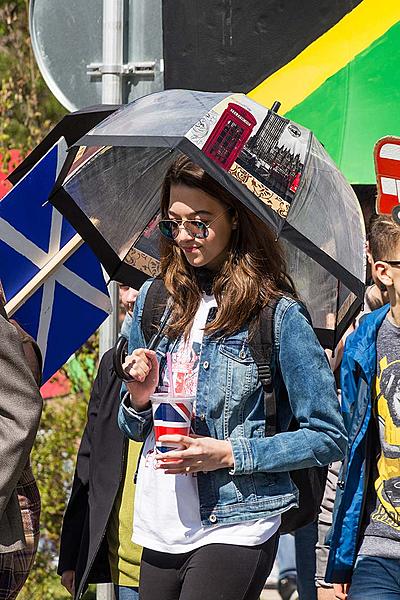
(277, 168)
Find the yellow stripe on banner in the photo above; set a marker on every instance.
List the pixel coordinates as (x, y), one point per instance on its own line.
(328, 54)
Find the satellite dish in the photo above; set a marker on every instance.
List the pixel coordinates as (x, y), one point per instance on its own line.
(67, 44)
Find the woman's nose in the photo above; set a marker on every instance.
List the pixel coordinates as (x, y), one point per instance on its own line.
(184, 234)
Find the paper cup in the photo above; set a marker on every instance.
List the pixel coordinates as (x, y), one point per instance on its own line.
(172, 415)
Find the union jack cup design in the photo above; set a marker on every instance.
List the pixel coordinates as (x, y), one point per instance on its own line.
(172, 415)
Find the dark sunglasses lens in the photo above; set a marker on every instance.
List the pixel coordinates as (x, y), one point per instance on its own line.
(169, 229)
(197, 229)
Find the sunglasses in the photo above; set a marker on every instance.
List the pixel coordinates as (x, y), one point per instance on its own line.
(393, 263)
(195, 228)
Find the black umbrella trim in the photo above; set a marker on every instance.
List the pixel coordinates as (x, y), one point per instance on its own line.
(329, 338)
(129, 275)
(72, 127)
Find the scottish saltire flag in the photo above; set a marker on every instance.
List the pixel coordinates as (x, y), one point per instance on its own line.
(171, 416)
(72, 300)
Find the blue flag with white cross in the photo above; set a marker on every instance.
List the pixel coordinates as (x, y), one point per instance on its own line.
(53, 283)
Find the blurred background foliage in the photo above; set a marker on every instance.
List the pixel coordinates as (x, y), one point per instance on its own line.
(28, 109)
(53, 461)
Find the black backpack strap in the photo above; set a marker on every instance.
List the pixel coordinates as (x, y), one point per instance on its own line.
(153, 310)
(261, 345)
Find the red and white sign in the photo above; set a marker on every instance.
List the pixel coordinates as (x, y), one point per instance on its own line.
(387, 167)
(15, 159)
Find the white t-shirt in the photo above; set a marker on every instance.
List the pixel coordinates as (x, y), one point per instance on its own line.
(167, 508)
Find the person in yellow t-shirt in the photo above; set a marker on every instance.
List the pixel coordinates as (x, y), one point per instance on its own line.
(96, 535)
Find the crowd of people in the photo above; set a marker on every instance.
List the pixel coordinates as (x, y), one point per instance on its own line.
(205, 518)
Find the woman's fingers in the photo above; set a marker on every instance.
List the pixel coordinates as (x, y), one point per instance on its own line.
(176, 462)
(183, 440)
(201, 453)
(139, 364)
(152, 356)
(181, 467)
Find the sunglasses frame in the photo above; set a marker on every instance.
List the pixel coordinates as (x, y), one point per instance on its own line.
(392, 263)
(184, 221)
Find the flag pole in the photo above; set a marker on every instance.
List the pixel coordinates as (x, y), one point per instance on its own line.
(111, 94)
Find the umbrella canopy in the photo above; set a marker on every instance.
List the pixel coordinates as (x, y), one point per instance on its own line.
(275, 167)
(71, 127)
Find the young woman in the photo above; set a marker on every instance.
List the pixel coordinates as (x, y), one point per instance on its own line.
(208, 515)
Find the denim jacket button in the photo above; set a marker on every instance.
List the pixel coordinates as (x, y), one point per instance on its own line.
(206, 364)
(213, 519)
(242, 354)
(202, 417)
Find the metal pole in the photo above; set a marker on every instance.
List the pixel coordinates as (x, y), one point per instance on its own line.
(111, 94)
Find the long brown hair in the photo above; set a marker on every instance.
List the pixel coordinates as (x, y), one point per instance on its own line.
(253, 273)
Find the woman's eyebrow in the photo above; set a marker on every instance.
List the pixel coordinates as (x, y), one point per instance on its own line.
(206, 213)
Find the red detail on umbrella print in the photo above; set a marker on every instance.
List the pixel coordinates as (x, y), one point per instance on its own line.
(229, 135)
(295, 183)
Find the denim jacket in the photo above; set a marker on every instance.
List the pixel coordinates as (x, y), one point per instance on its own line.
(230, 405)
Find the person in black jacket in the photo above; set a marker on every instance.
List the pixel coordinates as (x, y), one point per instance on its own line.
(96, 535)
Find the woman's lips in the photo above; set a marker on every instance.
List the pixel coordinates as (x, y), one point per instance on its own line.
(189, 249)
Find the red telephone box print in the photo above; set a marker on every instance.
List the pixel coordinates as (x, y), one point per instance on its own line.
(229, 135)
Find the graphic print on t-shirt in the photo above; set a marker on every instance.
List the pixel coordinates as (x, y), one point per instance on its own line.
(387, 409)
(186, 355)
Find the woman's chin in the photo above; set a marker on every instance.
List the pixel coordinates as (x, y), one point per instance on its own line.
(196, 261)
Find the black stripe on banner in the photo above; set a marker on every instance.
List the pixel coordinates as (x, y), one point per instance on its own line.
(219, 45)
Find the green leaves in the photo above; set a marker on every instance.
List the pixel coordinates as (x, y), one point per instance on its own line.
(28, 109)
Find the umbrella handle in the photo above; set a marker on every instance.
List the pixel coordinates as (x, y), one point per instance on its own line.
(121, 348)
(119, 355)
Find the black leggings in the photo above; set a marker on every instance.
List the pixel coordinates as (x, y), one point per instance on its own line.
(213, 572)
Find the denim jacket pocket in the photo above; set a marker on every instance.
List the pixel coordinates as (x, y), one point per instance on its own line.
(237, 350)
(239, 369)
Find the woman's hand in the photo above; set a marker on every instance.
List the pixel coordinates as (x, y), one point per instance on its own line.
(142, 367)
(199, 454)
(68, 581)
